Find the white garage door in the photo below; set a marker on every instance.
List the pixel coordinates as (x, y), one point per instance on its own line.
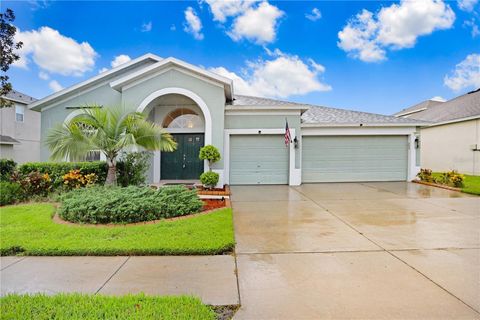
(354, 158)
(256, 159)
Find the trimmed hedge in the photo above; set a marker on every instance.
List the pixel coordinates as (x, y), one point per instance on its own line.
(56, 170)
(126, 205)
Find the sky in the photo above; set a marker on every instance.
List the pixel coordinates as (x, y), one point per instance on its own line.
(371, 56)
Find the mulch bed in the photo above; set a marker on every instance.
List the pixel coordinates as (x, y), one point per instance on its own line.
(225, 191)
(210, 204)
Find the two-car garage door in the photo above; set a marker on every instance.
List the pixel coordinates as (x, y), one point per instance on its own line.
(256, 159)
(354, 158)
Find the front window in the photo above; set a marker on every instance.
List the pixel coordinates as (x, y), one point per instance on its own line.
(19, 113)
(183, 119)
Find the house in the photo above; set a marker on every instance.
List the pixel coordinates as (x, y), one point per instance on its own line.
(199, 107)
(19, 129)
(452, 140)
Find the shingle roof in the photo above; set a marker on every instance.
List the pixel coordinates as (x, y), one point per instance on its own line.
(409, 112)
(324, 115)
(19, 97)
(464, 106)
(8, 140)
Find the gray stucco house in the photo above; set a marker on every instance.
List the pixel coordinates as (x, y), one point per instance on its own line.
(19, 129)
(200, 107)
(451, 139)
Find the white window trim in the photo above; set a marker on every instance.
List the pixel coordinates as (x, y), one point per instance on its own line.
(17, 106)
(294, 175)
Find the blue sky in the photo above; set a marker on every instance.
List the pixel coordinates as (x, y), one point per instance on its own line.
(371, 56)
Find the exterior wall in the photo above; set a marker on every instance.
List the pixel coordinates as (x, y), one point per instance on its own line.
(26, 132)
(212, 94)
(449, 146)
(267, 121)
(6, 151)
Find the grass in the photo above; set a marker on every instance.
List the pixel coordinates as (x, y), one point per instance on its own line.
(29, 230)
(81, 306)
(471, 184)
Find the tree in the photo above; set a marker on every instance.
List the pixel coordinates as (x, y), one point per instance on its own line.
(8, 54)
(110, 131)
(209, 153)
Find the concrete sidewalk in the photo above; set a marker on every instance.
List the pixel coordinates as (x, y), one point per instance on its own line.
(212, 278)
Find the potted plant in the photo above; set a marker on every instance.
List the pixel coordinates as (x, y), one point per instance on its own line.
(210, 153)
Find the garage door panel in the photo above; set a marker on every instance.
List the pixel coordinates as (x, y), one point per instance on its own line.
(258, 160)
(354, 158)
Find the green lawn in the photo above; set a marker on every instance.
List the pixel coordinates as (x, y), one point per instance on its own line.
(29, 230)
(78, 306)
(471, 184)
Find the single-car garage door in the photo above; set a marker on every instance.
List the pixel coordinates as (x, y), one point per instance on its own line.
(354, 158)
(258, 159)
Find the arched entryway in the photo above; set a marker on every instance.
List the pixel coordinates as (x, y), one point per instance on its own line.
(187, 118)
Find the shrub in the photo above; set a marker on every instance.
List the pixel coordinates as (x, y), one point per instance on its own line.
(209, 179)
(10, 192)
(126, 205)
(57, 170)
(425, 175)
(7, 167)
(132, 168)
(209, 153)
(451, 178)
(34, 183)
(74, 179)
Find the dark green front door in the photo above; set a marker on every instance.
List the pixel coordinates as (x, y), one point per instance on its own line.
(183, 163)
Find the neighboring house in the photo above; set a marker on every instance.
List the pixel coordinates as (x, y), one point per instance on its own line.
(452, 141)
(19, 129)
(199, 107)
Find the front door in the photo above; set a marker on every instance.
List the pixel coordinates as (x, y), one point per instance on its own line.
(183, 163)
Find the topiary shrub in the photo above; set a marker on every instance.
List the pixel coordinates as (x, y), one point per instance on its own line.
(209, 179)
(126, 205)
(7, 167)
(209, 153)
(10, 192)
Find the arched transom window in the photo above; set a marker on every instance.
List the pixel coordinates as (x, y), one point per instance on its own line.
(183, 118)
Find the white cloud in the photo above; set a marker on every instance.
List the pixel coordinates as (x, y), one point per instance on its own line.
(465, 75)
(102, 70)
(257, 24)
(146, 27)
(193, 24)
(222, 9)
(119, 60)
(55, 86)
(472, 24)
(281, 76)
(314, 15)
(368, 35)
(54, 52)
(467, 5)
(438, 98)
(43, 75)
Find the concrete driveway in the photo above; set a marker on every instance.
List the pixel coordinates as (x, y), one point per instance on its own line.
(357, 250)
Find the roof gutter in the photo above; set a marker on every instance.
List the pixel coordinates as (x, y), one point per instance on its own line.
(335, 125)
(451, 121)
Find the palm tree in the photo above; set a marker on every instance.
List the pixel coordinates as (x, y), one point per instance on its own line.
(108, 130)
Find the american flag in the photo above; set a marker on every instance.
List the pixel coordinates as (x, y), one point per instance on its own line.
(288, 138)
